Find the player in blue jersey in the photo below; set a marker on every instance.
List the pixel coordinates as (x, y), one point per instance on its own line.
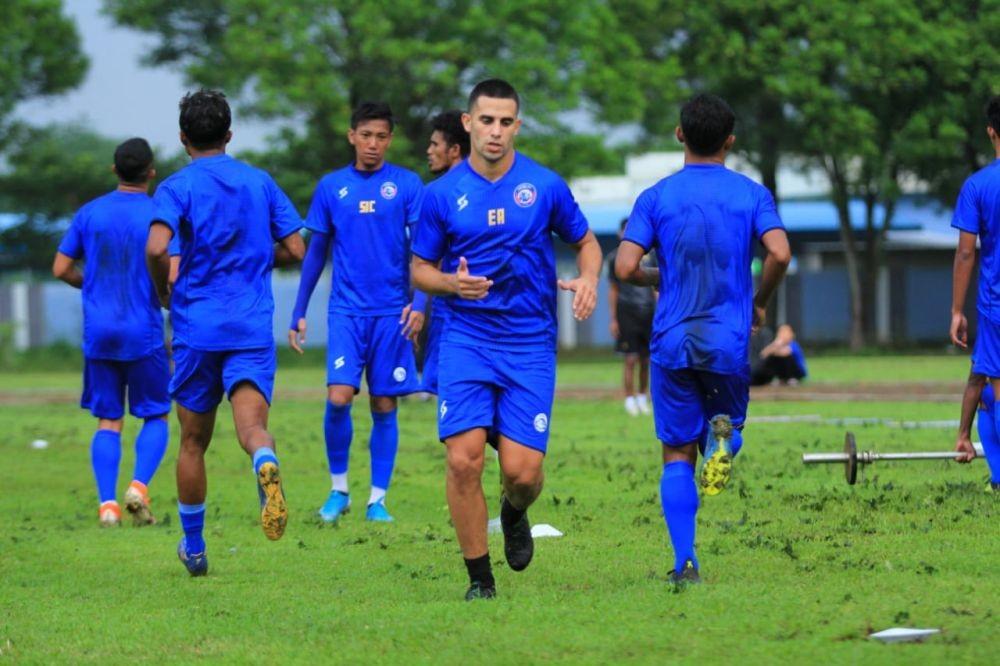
(122, 330)
(361, 217)
(489, 223)
(235, 224)
(703, 222)
(977, 215)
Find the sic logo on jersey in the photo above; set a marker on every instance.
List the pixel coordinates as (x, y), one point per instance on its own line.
(525, 195)
(366, 206)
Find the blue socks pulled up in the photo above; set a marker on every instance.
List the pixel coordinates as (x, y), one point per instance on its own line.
(338, 431)
(105, 454)
(679, 498)
(150, 446)
(383, 446)
(987, 426)
(262, 455)
(193, 523)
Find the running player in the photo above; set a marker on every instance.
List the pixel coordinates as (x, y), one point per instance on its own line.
(703, 222)
(235, 225)
(365, 211)
(491, 218)
(122, 330)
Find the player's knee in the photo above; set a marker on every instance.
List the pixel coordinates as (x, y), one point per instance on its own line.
(381, 404)
(465, 466)
(340, 396)
(195, 441)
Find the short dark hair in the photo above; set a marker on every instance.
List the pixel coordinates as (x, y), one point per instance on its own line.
(450, 125)
(707, 121)
(205, 118)
(993, 113)
(496, 88)
(372, 111)
(133, 160)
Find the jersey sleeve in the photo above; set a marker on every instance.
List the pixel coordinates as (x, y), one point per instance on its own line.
(174, 246)
(567, 220)
(766, 216)
(639, 229)
(169, 207)
(430, 237)
(966, 217)
(285, 220)
(319, 217)
(414, 200)
(72, 242)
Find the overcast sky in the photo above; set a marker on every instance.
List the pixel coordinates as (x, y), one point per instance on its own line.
(120, 97)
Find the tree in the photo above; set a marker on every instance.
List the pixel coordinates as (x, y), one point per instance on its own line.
(39, 54)
(308, 63)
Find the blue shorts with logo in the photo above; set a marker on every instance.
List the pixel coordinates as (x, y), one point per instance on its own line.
(146, 379)
(201, 377)
(375, 345)
(509, 392)
(986, 350)
(432, 355)
(685, 399)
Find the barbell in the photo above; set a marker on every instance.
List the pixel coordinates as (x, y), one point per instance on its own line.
(852, 458)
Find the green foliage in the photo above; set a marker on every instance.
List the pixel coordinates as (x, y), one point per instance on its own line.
(39, 53)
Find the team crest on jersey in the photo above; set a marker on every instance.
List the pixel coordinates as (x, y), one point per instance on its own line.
(541, 422)
(342, 192)
(388, 190)
(525, 195)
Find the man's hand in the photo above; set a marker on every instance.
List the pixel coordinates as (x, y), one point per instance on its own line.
(297, 336)
(471, 287)
(615, 331)
(759, 316)
(585, 298)
(413, 323)
(959, 330)
(965, 452)
(165, 296)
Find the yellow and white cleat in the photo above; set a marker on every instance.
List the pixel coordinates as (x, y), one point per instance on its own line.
(273, 508)
(717, 467)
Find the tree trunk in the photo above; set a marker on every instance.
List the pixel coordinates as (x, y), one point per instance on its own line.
(841, 198)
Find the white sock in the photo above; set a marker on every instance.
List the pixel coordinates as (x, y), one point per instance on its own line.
(641, 400)
(339, 482)
(377, 494)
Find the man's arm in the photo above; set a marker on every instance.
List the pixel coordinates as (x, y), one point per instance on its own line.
(64, 268)
(779, 255)
(970, 401)
(629, 268)
(965, 259)
(613, 307)
(289, 250)
(584, 286)
(158, 259)
(428, 278)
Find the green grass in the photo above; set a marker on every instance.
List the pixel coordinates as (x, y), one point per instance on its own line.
(799, 566)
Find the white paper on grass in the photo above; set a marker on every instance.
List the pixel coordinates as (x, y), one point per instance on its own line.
(903, 634)
(540, 530)
(40, 444)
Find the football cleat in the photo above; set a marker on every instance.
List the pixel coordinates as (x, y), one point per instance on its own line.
(689, 576)
(195, 563)
(479, 591)
(336, 505)
(377, 512)
(137, 504)
(273, 509)
(110, 514)
(717, 467)
(518, 545)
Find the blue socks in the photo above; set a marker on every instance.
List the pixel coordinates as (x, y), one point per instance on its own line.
(987, 426)
(150, 446)
(192, 522)
(339, 431)
(262, 455)
(105, 454)
(384, 442)
(679, 498)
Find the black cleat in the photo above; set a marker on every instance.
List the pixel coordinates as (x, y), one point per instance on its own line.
(687, 577)
(479, 591)
(518, 545)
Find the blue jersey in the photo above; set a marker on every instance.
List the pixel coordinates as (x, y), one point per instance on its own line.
(121, 314)
(504, 230)
(703, 222)
(978, 212)
(228, 216)
(369, 215)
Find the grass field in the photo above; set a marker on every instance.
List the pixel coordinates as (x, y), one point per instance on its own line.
(798, 565)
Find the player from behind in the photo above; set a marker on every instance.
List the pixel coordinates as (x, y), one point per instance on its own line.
(122, 330)
(703, 222)
(364, 211)
(235, 224)
(491, 220)
(977, 215)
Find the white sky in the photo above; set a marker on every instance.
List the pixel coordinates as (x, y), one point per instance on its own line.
(121, 98)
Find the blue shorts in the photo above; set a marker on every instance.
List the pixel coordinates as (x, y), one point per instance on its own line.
(431, 356)
(684, 400)
(509, 392)
(374, 345)
(986, 350)
(202, 377)
(147, 378)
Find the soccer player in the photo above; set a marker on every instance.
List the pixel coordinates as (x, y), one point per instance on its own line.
(447, 148)
(122, 330)
(977, 214)
(364, 211)
(235, 224)
(703, 222)
(631, 325)
(492, 218)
